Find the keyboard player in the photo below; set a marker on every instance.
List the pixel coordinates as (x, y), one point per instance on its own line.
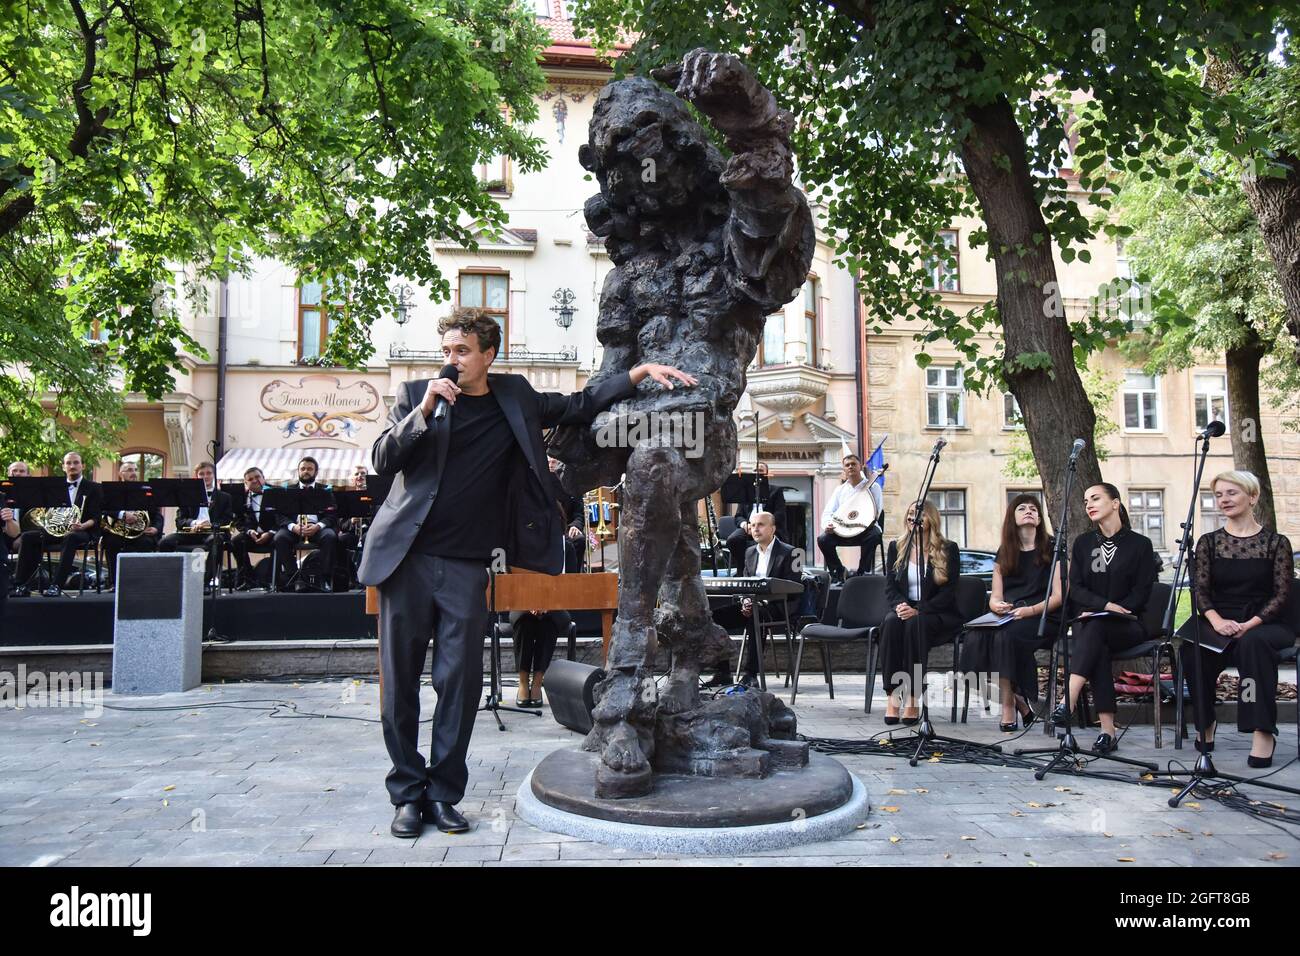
(767, 557)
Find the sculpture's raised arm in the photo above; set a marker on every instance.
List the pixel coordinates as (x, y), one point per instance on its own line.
(770, 235)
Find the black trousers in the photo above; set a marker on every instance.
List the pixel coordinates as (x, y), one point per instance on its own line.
(286, 551)
(242, 544)
(115, 544)
(33, 543)
(868, 541)
(535, 638)
(196, 541)
(904, 648)
(1008, 651)
(443, 599)
(1255, 655)
(1095, 642)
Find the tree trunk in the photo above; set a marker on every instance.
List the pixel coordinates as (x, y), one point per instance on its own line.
(1276, 204)
(1053, 403)
(1247, 431)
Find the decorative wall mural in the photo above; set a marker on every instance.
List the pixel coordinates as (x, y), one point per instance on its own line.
(320, 406)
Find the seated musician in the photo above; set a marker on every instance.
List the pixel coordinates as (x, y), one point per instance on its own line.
(349, 535)
(1020, 574)
(121, 531)
(904, 646)
(253, 533)
(313, 529)
(197, 528)
(9, 546)
(867, 540)
(772, 500)
(9, 534)
(767, 557)
(88, 496)
(536, 632)
(1242, 582)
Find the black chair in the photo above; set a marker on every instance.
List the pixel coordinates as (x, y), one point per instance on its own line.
(51, 548)
(726, 525)
(972, 602)
(862, 606)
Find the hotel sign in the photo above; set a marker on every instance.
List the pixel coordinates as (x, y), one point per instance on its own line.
(320, 406)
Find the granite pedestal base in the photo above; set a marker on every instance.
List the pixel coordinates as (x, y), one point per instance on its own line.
(693, 814)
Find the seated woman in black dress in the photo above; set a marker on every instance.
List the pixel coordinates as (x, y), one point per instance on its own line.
(903, 645)
(1020, 573)
(1112, 568)
(1242, 580)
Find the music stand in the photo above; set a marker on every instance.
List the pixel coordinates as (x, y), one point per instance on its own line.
(23, 494)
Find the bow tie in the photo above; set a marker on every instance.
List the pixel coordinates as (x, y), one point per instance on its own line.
(73, 484)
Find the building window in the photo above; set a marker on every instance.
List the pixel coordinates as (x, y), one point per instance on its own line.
(1141, 402)
(320, 306)
(494, 175)
(542, 8)
(946, 276)
(811, 306)
(1146, 510)
(489, 291)
(149, 464)
(1011, 417)
(951, 503)
(1036, 492)
(945, 398)
(1211, 398)
(1212, 519)
(771, 349)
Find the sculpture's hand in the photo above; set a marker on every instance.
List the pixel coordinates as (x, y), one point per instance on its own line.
(663, 374)
(724, 89)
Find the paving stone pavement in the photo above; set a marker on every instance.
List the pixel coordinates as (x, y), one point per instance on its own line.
(293, 775)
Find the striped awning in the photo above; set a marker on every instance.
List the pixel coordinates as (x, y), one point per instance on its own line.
(280, 465)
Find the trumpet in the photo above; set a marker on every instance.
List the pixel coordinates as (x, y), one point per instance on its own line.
(56, 522)
(132, 524)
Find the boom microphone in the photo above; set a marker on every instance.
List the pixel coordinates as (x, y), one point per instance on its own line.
(452, 373)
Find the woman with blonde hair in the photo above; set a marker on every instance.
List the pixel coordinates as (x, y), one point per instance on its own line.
(1242, 580)
(903, 645)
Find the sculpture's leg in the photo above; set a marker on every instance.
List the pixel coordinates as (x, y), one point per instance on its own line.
(624, 716)
(683, 621)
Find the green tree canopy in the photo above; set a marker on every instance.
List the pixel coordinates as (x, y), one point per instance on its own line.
(138, 136)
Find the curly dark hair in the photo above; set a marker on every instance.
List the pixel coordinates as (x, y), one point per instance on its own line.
(474, 322)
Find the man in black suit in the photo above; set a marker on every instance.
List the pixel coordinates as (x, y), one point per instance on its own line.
(255, 527)
(145, 542)
(317, 529)
(468, 489)
(771, 500)
(196, 527)
(767, 557)
(81, 491)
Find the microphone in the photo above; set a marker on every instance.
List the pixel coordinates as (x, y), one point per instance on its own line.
(449, 371)
(939, 445)
(1079, 445)
(1213, 430)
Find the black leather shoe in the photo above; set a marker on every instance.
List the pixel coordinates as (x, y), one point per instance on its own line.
(245, 585)
(719, 680)
(406, 821)
(52, 592)
(1105, 744)
(1061, 714)
(326, 587)
(21, 591)
(444, 816)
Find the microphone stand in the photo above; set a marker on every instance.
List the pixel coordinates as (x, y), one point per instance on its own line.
(1204, 769)
(924, 734)
(492, 701)
(1069, 746)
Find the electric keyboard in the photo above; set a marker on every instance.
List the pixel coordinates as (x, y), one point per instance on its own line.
(777, 586)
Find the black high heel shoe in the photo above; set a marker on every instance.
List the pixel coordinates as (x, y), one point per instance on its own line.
(891, 720)
(1202, 745)
(1259, 763)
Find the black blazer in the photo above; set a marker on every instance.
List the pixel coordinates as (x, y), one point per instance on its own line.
(246, 520)
(780, 565)
(413, 449)
(940, 599)
(221, 510)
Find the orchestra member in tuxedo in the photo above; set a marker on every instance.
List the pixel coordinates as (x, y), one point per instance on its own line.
(536, 632)
(145, 543)
(904, 646)
(1020, 577)
(868, 540)
(9, 534)
(349, 532)
(1242, 579)
(10, 546)
(767, 557)
(197, 528)
(81, 491)
(1112, 569)
(317, 529)
(254, 531)
(771, 500)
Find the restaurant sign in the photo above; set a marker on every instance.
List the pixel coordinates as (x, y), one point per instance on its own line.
(320, 406)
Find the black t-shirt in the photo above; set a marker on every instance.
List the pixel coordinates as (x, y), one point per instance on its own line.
(468, 517)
